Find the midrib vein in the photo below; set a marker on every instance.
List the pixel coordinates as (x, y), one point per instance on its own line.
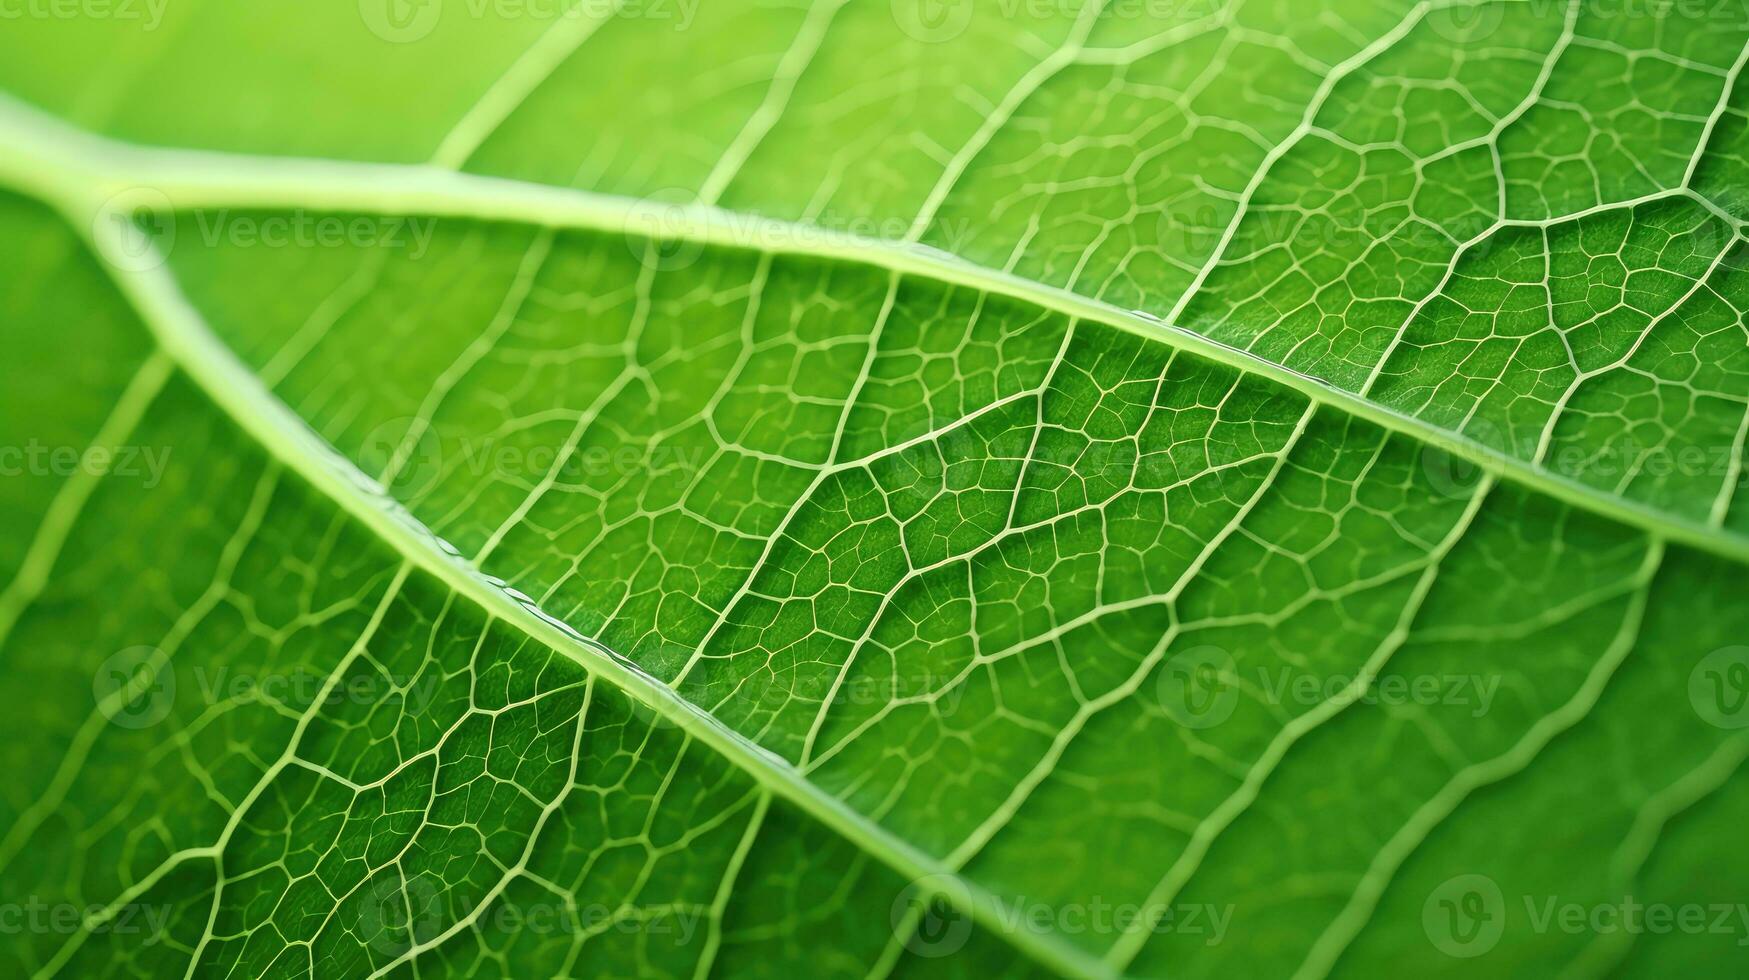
(183, 334)
(81, 172)
(79, 188)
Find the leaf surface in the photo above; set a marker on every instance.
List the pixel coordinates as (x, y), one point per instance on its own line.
(658, 490)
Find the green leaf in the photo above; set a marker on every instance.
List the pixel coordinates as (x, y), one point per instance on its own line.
(658, 487)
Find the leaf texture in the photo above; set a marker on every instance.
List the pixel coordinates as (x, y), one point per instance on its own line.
(865, 489)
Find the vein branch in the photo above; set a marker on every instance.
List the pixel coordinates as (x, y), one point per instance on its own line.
(81, 173)
(183, 334)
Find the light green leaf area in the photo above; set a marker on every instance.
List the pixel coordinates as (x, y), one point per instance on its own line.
(671, 488)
